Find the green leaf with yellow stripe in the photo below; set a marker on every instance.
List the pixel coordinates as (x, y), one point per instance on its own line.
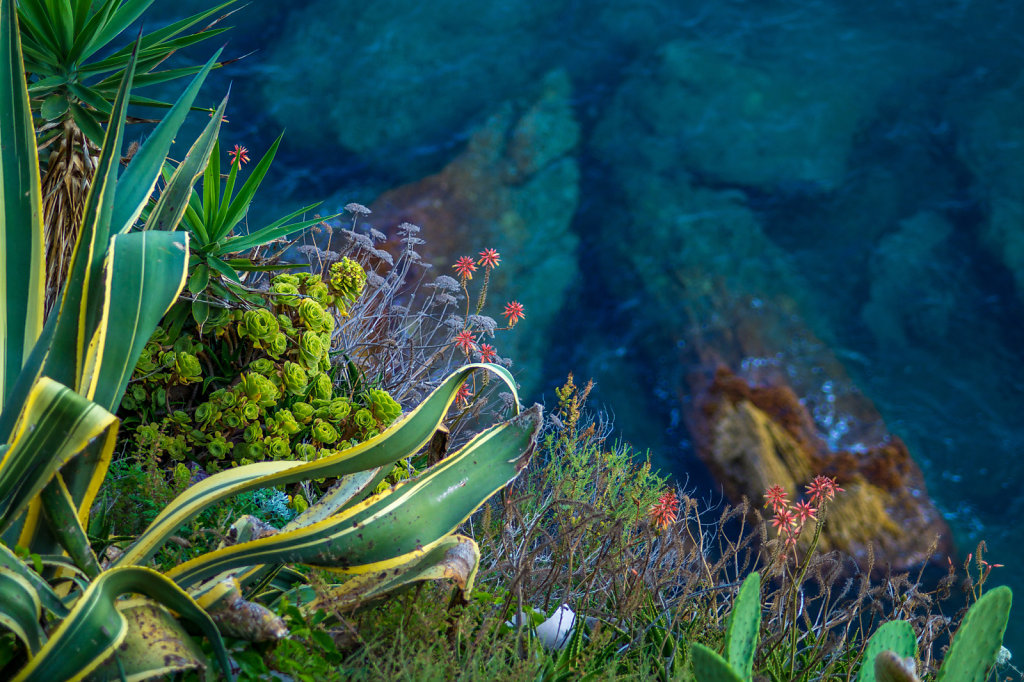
(95, 627)
(22, 245)
(21, 609)
(455, 557)
(389, 530)
(401, 439)
(54, 425)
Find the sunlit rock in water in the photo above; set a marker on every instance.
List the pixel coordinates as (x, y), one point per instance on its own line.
(756, 433)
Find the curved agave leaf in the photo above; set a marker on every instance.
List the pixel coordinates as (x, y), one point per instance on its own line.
(47, 597)
(144, 273)
(456, 558)
(401, 439)
(20, 610)
(95, 627)
(155, 645)
(391, 529)
(55, 424)
(22, 243)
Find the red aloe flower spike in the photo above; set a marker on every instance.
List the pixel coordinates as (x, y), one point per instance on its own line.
(239, 155)
(514, 312)
(487, 352)
(465, 341)
(823, 488)
(775, 498)
(464, 394)
(465, 267)
(664, 512)
(489, 258)
(803, 511)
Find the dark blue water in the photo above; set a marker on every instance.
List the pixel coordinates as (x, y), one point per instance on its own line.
(862, 162)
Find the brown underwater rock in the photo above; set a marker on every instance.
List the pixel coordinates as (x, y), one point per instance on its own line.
(753, 435)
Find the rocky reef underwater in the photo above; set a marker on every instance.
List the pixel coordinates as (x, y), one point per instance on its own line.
(785, 238)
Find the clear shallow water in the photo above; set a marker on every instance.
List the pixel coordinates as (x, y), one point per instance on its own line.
(873, 153)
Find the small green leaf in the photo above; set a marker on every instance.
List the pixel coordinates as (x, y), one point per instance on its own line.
(199, 279)
(54, 107)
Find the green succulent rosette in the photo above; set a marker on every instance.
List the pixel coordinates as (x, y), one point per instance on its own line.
(278, 448)
(324, 432)
(321, 387)
(287, 423)
(206, 413)
(232, 419)
(286, 278)
(260, 325)
(385, 409)
(259, 389)
(364, 421)
(287, 294)
(219, 447)
(314, 316)
(294, 378)
(305, 451)
(311, 349)
(253, 432)
(302, 411)
(251, 412)
(262, 366)
(320, 293)
(277, 346)
(224, 398)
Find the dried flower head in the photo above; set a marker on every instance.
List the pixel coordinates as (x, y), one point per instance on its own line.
(357, 209)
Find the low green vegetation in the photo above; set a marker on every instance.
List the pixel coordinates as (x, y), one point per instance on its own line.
(213, 463)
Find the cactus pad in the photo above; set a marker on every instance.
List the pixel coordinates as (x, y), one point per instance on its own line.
(744, 624)
(708, 666)
(977, 641)
(896, 636)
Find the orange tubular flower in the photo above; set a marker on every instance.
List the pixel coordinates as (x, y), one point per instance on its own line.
(239, 155)
(487, 352)
(514, 312)
(465, 267)
(664, 512)
(465, 341)
(489, 258)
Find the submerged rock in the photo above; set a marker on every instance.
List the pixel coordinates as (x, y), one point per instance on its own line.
(400, 76)
(514, 189)
(754, 434)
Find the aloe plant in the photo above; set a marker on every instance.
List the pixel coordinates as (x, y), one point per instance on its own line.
(61, 381)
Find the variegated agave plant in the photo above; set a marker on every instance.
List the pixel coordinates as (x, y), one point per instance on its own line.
(63, 612)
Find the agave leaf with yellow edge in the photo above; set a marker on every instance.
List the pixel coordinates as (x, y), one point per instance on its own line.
(391, 529)
(22, 241)
(400, 440)
(456, 557)
(21, 609)
(54, 425)
(95, 627)
(155, 645)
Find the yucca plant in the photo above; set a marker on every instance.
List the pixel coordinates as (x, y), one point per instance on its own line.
(74, 75)
(60, 382)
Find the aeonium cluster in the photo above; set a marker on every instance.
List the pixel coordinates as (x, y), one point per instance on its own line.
(282, 404)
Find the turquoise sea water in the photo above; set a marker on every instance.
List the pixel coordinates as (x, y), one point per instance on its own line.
(859, 164)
